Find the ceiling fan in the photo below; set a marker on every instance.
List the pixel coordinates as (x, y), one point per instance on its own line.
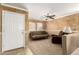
(49, 16)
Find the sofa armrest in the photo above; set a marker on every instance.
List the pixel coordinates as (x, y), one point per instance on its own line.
(70, 42)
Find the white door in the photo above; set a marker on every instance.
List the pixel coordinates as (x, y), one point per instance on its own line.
(13, 28)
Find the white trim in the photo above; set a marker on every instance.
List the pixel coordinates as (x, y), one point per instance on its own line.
(13, 7)
(67, 14)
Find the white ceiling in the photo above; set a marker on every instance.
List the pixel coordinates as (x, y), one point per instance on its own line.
(37, 10)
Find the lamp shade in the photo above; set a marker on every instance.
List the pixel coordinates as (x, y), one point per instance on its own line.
(67, 29)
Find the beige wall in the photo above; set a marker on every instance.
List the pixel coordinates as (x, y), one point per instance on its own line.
(60, 23)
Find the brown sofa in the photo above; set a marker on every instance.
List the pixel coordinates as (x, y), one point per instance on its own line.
(35, 35)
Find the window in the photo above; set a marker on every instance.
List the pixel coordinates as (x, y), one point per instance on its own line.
(32, 26)
(39, 26)
(35, 26)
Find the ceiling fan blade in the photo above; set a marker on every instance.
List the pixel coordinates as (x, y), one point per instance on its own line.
(53, 15)
(48, 16)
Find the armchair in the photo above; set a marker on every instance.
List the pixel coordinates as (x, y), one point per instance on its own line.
(57, 39)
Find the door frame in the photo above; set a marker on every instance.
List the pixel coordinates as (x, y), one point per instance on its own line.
(16, 10)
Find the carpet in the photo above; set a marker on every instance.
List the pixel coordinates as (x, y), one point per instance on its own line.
(45, 47)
